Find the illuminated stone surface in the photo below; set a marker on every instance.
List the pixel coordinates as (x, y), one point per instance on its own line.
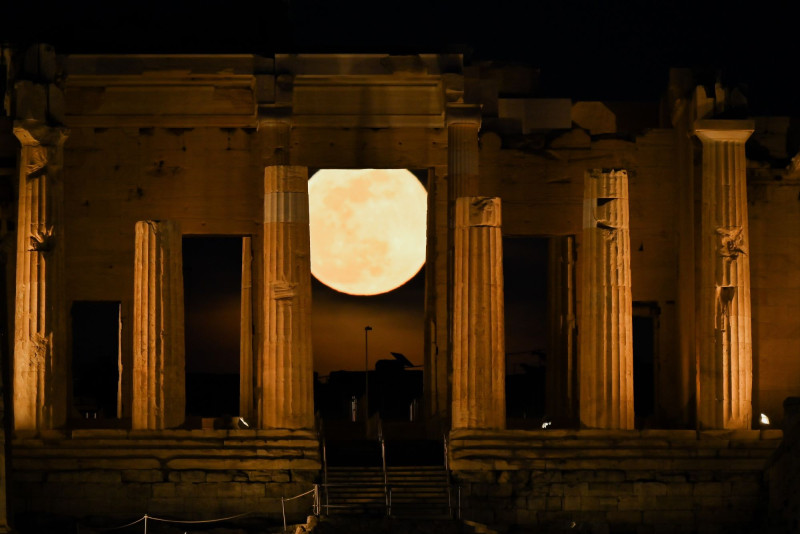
(286, 365)
(159, 359)
(478, 331)
(606, 330)
(40, 366)
(724, 322)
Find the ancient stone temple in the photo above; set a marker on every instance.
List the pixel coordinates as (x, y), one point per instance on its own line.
(669, 315)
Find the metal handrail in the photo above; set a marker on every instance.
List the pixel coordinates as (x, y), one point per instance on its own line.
(325, 468)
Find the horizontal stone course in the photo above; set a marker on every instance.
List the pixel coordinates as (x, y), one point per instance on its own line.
(622, 481)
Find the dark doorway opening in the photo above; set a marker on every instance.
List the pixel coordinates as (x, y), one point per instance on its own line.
(645, 332)
(95, 359)
(526, 333)
(212, 277)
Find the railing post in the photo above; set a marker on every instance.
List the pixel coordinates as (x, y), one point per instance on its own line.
(325, 472)
(283, 511)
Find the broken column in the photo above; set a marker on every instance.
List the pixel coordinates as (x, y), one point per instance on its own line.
(159, 398)
(286, 365)
(478, 322)
(40, 365)
(605, 328)
(725, 359)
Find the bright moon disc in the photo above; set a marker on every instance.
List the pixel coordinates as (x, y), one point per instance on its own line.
(367, 228)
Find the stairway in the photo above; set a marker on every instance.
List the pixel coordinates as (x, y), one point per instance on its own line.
(419, 491)
(416, 491)
(354, 490)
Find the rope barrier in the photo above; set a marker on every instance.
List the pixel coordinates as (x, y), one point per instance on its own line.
(298, 496)
(198, 521)
(124, 526)
(284, 500)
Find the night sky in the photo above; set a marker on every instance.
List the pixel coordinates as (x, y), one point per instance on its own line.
(586, 49)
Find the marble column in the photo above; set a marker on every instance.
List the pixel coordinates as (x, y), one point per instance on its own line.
(286, 366)
(724, 325)
(463, 125)
(606, 317)
(40, 365)
(562, 385)
(159, 361)
(246, 379)
(478, 322)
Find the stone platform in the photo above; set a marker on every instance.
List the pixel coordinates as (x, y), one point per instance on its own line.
(180, 474)
(613, 480)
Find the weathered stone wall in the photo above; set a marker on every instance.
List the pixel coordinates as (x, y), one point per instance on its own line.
(774, 212)
(622, 481)
(178, 474)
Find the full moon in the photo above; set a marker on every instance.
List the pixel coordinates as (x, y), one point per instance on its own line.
(367, 228)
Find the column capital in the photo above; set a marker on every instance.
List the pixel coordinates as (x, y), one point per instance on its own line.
(463, 114)
(36, 133)
(479, 211)
(274, 114)
(724, 129)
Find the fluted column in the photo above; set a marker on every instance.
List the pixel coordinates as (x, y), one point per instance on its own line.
(605, 329)
(478, 323)
(159, 358)
(40, 366)
(726, 353)
(463, 125)
(561, 390)
(286, 367)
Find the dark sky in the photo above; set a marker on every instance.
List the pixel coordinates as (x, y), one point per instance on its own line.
(586, 49)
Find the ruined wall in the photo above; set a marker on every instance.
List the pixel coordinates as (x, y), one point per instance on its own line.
(120, 475)
(774, 212)
(618, 481)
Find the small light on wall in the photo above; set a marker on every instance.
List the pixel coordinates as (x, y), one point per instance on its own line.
(764, 419)
(243, 423)
(546, 424)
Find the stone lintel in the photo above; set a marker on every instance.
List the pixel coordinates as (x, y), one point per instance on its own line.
(724, 130)
(463, 114)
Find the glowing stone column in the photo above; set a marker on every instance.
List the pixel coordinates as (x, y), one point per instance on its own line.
(286, 366)
(159, 361)
(478, 327)
(726, 353)
(40, 365)
(605, 329)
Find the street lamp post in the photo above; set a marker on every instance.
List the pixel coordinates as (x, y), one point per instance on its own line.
(366, 377)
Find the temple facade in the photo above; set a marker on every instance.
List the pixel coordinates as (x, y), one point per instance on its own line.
(681, 216)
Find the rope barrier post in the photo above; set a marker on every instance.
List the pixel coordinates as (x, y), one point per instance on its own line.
(283, 511)
(145, 523)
